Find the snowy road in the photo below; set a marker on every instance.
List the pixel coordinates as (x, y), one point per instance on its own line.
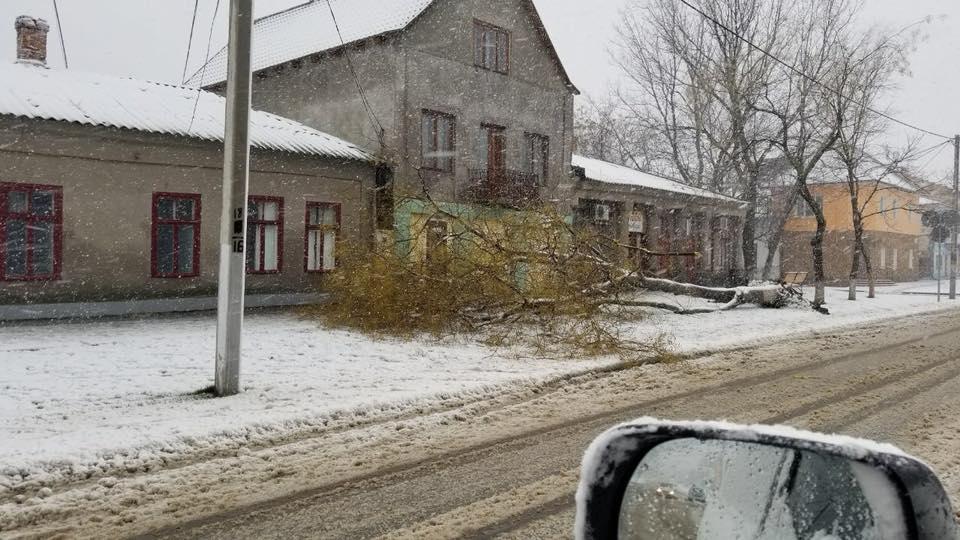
(509, 469)
(506, 465)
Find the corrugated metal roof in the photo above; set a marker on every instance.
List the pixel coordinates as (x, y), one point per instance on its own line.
(309, 28)
(610, 173)
(35, 91)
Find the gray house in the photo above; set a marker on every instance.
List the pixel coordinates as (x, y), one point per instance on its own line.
(110, 189)
(466, 98)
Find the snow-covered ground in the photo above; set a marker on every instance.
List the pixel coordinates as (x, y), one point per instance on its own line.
(98, 397)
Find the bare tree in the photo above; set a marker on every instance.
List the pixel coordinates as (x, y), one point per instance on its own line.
(809, 103)
(697, 77)
(861, 161)
(604, 131)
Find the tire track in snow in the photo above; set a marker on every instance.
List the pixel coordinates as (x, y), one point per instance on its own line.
(347, 488)
(564, 502)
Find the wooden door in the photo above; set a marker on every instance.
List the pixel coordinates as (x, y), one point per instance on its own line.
(496, 150)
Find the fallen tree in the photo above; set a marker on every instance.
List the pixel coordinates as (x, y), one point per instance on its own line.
(527, 276)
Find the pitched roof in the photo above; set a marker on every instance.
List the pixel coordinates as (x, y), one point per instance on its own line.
(309, 29)
(610, 173)
(35, 91)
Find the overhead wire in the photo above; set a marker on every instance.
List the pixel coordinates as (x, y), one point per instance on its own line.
(799, 72)
(193, 26)
(206, 60)
(63, 45)
(363, 95)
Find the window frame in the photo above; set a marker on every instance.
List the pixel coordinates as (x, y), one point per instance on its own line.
(197, 237)
(338, 207)
(264, 222)
(479, 58)
(56, 219)
(425, 162)
(534, 140)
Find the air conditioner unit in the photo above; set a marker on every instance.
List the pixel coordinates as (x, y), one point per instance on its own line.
(601, 213)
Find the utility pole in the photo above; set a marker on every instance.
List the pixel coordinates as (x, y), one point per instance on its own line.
(233, 218)
(955, 218)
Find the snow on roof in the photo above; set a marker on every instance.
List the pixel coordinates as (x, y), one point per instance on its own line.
(308, 28)
(35, 91)
(609, 173)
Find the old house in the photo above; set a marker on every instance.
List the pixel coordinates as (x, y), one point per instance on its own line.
(892, 230)
(110, 189)
(649, 213)
(466, 99)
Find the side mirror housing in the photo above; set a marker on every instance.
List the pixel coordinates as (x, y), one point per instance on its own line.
(657, 479)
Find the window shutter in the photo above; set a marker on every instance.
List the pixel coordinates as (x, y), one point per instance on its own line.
(503, 51)
(477, 45)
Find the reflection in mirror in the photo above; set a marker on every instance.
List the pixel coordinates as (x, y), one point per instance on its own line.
(699, 489)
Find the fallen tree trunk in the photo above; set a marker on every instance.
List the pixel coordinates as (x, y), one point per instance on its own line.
(766, 296)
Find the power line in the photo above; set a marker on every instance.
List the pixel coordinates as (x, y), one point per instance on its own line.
(206, 60)
(193, 26)
(804, 75)
(363, 96)
(63, 46)
(939, 150)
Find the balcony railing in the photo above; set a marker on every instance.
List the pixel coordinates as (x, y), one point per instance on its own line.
(503, 187)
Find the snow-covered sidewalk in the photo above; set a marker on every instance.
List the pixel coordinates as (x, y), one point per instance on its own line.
(125, 394)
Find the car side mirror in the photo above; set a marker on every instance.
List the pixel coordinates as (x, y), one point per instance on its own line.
(653, 479)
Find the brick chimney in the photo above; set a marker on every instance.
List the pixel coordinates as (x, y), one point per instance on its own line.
(32, 39)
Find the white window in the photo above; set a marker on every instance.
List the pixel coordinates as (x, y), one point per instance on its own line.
(896, 252)
(883, 205)
(883, 258)
(910, 259)
(323, 228)
(264, 231)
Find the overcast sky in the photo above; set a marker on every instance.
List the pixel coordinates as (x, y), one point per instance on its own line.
(148, 39)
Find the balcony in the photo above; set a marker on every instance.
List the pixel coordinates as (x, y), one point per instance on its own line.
(503, 187)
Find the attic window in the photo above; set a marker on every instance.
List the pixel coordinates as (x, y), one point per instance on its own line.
(491, 47)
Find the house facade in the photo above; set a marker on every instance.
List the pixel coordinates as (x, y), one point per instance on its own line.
(467, 99)
(650, 214)
(892, 231)
(110, 191)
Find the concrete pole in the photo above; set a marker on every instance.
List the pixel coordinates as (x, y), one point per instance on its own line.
(955, 218)
(233, 218)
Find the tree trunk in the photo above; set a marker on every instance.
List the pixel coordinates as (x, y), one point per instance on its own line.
(750, 227)
(819, 278)
(857, 231)
(868, 266)
(767, 296)
(854, 272)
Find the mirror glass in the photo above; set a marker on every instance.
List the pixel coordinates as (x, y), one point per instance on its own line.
(699, 489)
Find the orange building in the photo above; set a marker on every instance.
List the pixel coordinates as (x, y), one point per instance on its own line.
(892, 231)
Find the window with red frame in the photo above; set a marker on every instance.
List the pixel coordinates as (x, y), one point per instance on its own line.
(176, 235)
(264, 235)
(323, 233)
(31, 224)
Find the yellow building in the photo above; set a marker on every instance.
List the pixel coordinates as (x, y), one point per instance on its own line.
(892, 231)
